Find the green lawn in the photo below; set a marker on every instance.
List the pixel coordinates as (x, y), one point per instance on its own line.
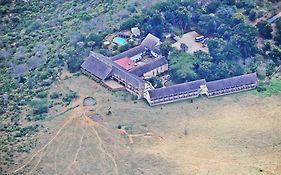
(273, 88)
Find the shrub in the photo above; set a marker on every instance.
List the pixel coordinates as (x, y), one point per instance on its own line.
(73, 64)
(156, 82)
(39, 106)
(84, 16)
(32, 27)
(24, 148)
(36, 117)
(55, 95)
(265, 29)
(27, 130)
(69, 97)
(261, 87)
(131, 8)
(270, 68)
(253, 15)
(42, 95)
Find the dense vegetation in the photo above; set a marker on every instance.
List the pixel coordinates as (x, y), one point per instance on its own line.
(232, 43)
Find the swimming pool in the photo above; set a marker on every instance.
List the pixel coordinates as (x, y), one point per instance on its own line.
(120, 41)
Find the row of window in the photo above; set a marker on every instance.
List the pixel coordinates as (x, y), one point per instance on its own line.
(174, 98)
(182, 94)
(245, 87)
(237, 87)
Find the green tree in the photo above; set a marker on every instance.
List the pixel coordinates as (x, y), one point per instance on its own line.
(204, 66)
(275, 55)
(156, 82)
(155, 25)
(277, 38)
(213, 6)
(183, 18)
(71, 95)
(227, 69)
(252, 15)
(165, 48)
(243, 37)
(130, 22)
(265, 29)
(208, 24)
(39, 106)
(182, 67)
(270, 68)
(84, 16)
(238, 18)
(97, 38)
(225, 13)
(73, 64)
(216, 48)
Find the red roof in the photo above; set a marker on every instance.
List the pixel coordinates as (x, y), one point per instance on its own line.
(126, 63)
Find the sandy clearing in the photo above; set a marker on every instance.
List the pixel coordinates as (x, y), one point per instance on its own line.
(189, 40)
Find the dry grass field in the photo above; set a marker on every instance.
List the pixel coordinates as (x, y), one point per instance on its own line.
(232, 135)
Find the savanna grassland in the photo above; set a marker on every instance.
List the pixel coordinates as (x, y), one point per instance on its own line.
(235, 134)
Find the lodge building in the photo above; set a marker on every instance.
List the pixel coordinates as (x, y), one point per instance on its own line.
(193, 89)
(175, 93)
(232, 85)
(123, 69)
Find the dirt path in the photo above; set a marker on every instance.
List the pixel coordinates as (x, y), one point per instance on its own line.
(45, 146)
(101, 147)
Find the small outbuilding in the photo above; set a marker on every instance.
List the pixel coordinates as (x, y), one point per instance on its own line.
(135, 31)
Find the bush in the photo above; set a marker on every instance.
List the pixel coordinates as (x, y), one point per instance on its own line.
(55, 95)
(123, 48)
(95, 39)
(27, 130)
(69, 97)
(73, 64)
(261, 87)
(270, 68)
(253, 15)
(265, 29)
(84, 16)
(156, 82)
(131, 8)
(32, 27)
(24, 148)
(39, 106)
(42, 95)
(36, 117)
(165, 48)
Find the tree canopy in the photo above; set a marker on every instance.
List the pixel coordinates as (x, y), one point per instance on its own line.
(265, 29)
(182, 66)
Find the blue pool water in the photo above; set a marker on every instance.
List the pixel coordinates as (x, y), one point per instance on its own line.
(120, 41)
